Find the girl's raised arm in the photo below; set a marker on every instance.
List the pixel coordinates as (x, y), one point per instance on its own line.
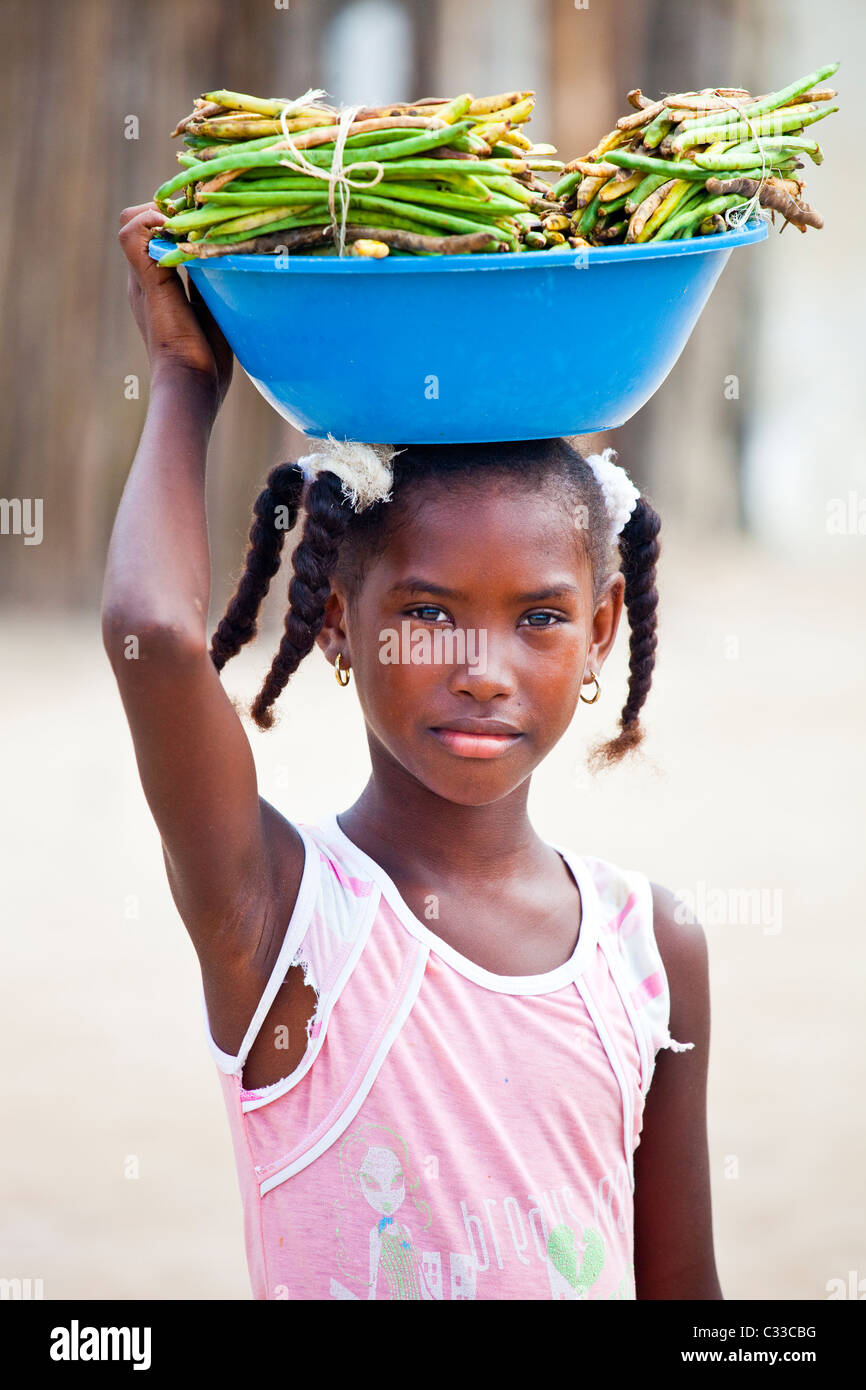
(234, 864)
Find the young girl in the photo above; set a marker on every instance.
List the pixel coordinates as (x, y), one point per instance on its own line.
(435, 1032)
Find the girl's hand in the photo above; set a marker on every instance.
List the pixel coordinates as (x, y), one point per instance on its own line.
(177, 331)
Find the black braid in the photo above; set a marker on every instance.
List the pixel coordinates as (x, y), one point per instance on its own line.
(283, 490)
(639, 550)
(330, 519)
(327, 516)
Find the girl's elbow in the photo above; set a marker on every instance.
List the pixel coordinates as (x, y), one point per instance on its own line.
(129, 637)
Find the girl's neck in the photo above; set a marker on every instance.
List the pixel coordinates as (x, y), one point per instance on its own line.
(409, 829)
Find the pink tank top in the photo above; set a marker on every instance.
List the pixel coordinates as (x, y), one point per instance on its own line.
(450, 1133)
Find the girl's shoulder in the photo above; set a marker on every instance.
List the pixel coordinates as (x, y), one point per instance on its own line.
(633, 907)
(654, 946)
(619, 889)
(338, 889)
(619, 900)
(335, 858)
(644, 921)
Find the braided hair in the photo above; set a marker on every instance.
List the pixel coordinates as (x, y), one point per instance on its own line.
(339, 543)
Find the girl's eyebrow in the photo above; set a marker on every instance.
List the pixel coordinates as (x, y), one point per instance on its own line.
(417, 585)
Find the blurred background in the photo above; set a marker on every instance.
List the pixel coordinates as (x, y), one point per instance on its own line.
(750, 796)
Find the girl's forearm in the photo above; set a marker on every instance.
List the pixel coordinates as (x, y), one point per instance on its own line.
(158, 569)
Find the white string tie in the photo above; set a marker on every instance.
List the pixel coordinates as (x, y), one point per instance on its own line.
(336, 176)
(738, 216)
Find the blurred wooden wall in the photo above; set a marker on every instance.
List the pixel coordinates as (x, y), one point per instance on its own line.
(73, 74)
(685, 446)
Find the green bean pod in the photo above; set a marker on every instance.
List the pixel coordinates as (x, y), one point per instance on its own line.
(657, 129)
(589, 217)
(743, 156)
(681, 193)
(512, 188)
(647, 186)
(614, 205)
(785, 146)
(206, 216)
(265, 157)
(771, 102)
(566, 184)
(446, 220)
(775, 123)
(175, 257)
(695, 214)
(317, 219)
(484, 168)
(672, 169)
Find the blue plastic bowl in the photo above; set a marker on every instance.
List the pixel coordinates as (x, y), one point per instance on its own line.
(429, 349)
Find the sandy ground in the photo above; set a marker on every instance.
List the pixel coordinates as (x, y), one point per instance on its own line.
(117, 1171)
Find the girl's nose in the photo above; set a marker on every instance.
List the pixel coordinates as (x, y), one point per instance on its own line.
(487, 670)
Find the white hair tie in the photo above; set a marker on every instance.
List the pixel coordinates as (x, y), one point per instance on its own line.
(364, 469)
(620, 494)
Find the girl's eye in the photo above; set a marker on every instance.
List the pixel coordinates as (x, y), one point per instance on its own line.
(554, 618)
(424, 610)
(427, 612)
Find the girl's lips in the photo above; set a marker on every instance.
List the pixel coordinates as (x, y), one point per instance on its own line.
(470, 745)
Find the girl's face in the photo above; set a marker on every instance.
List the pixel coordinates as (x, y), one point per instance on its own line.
(479, 610)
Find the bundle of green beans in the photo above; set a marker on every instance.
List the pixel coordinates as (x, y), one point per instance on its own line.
(675, 167)
(457, 175)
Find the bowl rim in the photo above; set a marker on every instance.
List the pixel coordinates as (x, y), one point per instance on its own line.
(756, 229)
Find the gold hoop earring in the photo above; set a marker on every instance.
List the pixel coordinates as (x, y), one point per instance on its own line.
(339, 672)
(597, 692)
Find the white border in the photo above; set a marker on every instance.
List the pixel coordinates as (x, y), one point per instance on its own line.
(297, 925)
(266, 1094)
(347, 1115)
(619, 975)
(545, 983)
(613, 1057)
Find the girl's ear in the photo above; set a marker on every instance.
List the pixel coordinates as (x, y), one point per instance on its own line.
(605, 623)
(332, 637)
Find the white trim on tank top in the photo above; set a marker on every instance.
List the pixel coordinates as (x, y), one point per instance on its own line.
(295, 930)
(545, 983)
(347, 1115)
(569, 973)
(618, 974)
(608, 1042)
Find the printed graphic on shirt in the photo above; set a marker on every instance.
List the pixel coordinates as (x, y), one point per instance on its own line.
(573, 1271)
(375, 1169)
(382, 1197)
(547, 1227)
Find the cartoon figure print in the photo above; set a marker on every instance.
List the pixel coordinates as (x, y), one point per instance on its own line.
(375, 1168)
